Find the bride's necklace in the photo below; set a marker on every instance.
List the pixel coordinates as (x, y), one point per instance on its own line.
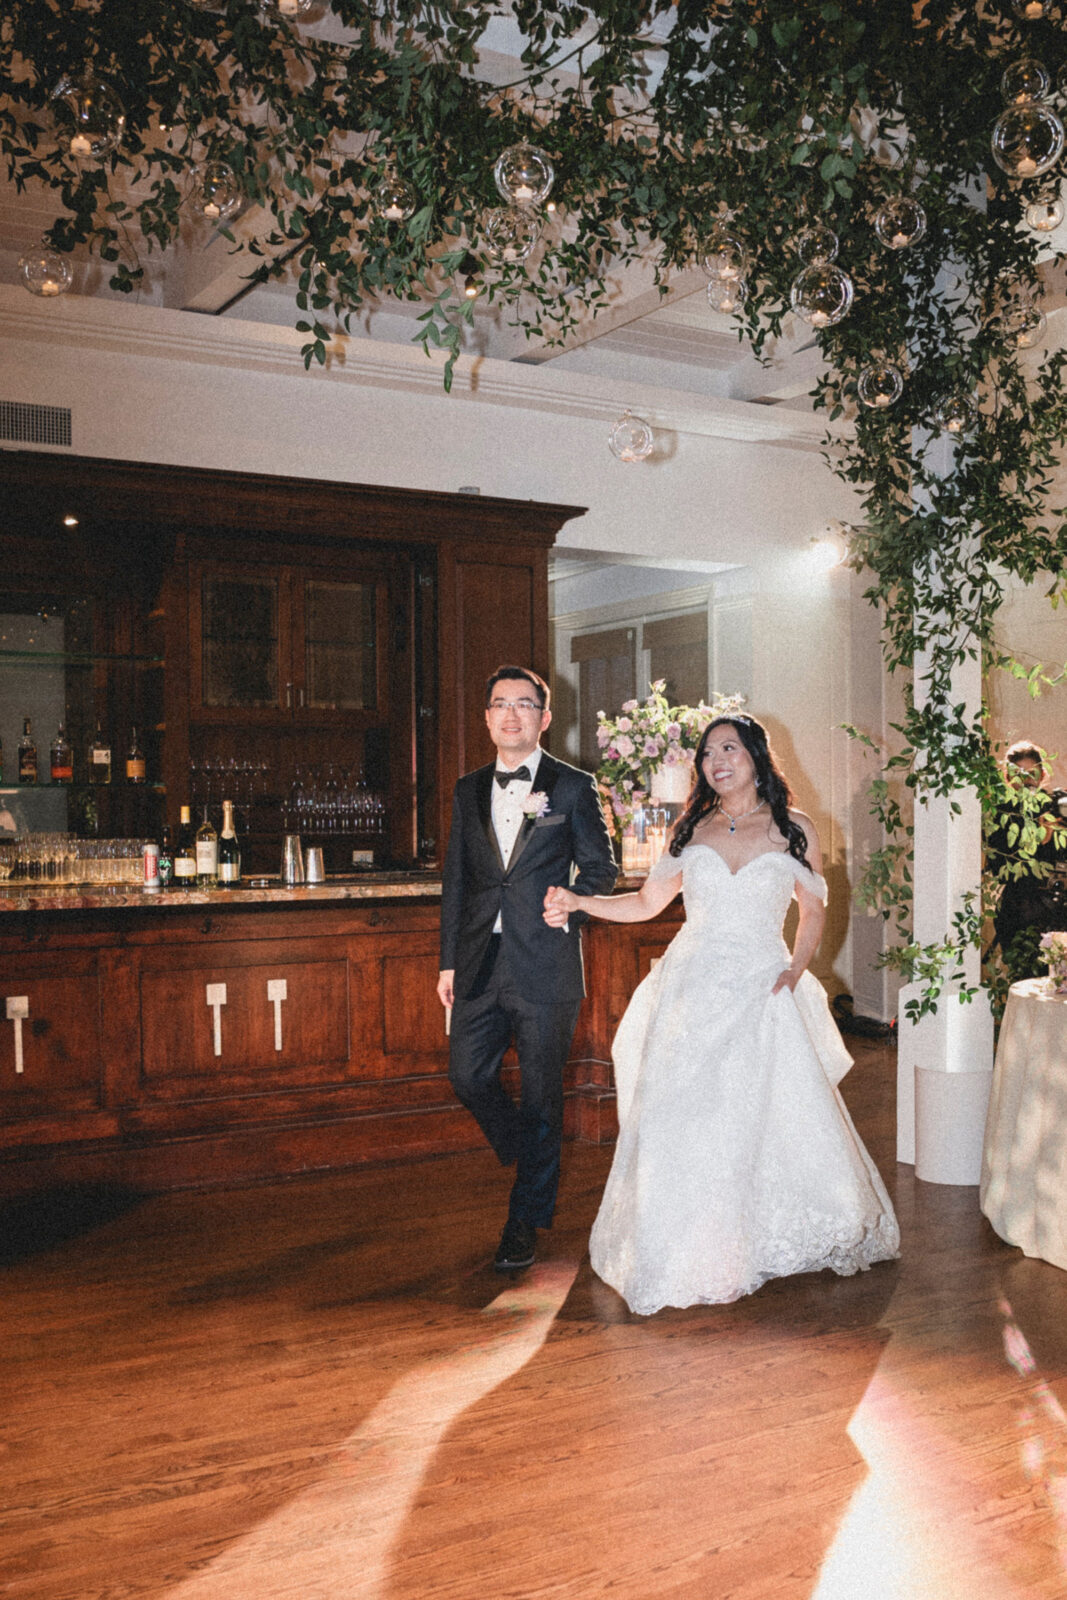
(741, 815)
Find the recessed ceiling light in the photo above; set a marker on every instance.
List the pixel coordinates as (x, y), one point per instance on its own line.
(69, 521)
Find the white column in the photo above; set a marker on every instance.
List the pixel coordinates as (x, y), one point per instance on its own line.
(945, 1061)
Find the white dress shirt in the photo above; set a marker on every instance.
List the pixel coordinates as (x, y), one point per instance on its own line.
(507, 812)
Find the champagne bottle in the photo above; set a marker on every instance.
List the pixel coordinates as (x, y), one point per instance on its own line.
(27, 755)
(166, 859)
(185, 852)
(207, 854)
(61, 758)
(229, 850)
(135, 769)
(99, 758)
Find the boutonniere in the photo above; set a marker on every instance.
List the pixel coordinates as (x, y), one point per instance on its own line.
(536, 804)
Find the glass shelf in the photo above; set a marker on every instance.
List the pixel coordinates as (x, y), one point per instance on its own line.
(80, 783)
(63, 658)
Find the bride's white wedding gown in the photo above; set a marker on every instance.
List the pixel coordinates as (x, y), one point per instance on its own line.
(737, 1160)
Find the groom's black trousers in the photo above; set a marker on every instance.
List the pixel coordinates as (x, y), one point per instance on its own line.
(530, 1134)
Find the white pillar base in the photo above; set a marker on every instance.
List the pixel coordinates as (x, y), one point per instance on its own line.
(944, 1077)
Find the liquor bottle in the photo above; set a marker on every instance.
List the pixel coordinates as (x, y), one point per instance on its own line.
(98, 759)
(166, 859)
(27, 755)
(207, 854)
(229, 850)
(61, 758)
(135, 771)
(185, 852)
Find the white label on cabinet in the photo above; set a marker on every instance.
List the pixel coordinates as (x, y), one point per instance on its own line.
(18, 1006)
(277, 991)
(216, 999)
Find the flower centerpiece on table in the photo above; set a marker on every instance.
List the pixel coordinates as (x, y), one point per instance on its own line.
(645, 736)
(1054, 950)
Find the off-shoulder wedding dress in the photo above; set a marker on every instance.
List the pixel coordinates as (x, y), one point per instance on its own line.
(737, 1160)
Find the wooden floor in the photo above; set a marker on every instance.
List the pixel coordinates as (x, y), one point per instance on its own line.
(318, 1389)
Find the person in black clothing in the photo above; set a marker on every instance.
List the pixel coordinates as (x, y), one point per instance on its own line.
(1032, 897)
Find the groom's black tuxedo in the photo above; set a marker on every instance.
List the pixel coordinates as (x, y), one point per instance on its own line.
(526, 984)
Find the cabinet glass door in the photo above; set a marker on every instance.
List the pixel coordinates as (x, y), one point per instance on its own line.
(341, 645)
(239, 642)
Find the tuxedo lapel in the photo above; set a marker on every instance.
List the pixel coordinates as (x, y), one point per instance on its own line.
(545, 781)
(483, 789)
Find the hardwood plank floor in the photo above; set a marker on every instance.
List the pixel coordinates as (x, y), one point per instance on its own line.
(320, 1389)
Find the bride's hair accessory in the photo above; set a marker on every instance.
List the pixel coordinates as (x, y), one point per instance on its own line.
(741, 815)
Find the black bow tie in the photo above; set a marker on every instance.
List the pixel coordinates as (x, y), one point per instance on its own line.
(504, 778)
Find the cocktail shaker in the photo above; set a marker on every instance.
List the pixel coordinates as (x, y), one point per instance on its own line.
(292, 859)
(315, 866)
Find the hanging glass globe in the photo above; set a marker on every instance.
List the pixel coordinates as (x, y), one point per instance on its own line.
(727, 294)
(524, 175)
(726, 257)
(395, 198)
(1024, 80)
(880, 385)
(509, 234)
(631, 438)
(287, 10)
(1027, 140)
(956, 415)
(45, 271)
(89, 117)
(217, 194)
(1044, 215)
(817, 243)
(899, 223)
(1023, 324)
(822, 294)
(1029, 10)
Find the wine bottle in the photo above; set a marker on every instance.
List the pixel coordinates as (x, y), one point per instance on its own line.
(61, 758)
(99, 758)
(229, 850)
(135, 768)
(166, 859)
(185, 852)
(27, 755)
(207, 854)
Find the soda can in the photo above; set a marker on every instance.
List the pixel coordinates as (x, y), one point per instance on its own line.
(151, 866)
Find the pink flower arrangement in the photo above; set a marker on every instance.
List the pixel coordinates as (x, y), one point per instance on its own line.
(645, 736)
(536, 803)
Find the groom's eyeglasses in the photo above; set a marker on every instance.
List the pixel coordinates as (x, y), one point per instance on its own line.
(525, 706)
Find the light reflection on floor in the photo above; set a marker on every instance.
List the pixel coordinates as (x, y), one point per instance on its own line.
(337, 1535)
(909, 1529)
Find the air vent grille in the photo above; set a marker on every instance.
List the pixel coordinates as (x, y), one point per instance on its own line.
(27, 424)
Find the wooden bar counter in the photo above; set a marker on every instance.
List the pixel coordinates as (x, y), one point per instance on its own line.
(226, 1036)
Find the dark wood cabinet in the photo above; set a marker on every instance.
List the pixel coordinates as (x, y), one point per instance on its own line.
(51, 1057)
(274, 627)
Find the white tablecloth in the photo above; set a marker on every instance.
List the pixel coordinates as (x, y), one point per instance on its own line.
(1024, 1162)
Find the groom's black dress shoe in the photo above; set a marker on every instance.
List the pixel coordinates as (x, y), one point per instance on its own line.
(517, 1247)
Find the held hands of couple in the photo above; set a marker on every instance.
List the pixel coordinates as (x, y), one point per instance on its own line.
(559, 903)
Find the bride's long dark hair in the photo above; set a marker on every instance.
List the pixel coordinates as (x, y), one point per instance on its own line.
(770, 786)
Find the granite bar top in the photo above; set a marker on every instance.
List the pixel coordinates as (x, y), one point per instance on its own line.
(107, 897)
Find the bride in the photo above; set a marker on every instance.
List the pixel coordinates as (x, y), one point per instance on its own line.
(737, 1160)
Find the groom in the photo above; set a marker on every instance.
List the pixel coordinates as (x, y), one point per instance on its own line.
(520, 826)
